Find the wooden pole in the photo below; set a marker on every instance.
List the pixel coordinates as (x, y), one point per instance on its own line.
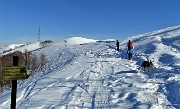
(14, 85)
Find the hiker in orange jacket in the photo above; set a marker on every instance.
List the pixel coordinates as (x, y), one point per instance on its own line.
(130, 51)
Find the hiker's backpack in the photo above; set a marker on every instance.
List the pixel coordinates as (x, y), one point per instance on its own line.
(130, 45)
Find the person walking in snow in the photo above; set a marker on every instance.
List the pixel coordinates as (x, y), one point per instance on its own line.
(130, 51)
(117, 45)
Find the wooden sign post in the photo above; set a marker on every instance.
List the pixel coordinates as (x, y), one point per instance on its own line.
(14, 85)
(15, 73)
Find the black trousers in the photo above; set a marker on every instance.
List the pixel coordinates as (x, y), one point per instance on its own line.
(130, 56)
(117, 48)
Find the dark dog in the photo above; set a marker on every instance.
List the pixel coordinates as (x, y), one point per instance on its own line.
(148, 65)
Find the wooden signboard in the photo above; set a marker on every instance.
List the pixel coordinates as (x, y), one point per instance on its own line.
(14, 73)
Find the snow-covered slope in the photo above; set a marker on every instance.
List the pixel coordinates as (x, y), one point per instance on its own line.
(95, 76)
(77, 40)
(9, 47)
(19, 47)
(34, 46)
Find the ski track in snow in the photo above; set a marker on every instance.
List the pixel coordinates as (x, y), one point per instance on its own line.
(96, 76)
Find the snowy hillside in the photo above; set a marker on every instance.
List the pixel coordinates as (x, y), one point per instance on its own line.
(77, 40)
(8, 47)
(19, 47)
(35, 46)
(95, 76)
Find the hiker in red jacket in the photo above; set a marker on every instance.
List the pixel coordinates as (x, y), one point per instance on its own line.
(130, 51)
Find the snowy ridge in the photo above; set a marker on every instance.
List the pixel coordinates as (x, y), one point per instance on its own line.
(20, 47)
(13, 46)
(94, 75)
(9, 47)
(78, 40)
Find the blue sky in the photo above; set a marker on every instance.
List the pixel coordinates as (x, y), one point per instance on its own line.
(98, 19)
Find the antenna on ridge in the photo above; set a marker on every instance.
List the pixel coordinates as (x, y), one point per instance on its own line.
(39, 34)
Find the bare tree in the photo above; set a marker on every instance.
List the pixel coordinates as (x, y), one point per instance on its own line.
(43, 60)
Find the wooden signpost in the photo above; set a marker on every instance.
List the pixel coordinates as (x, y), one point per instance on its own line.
(14, 85)
(14, 73)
